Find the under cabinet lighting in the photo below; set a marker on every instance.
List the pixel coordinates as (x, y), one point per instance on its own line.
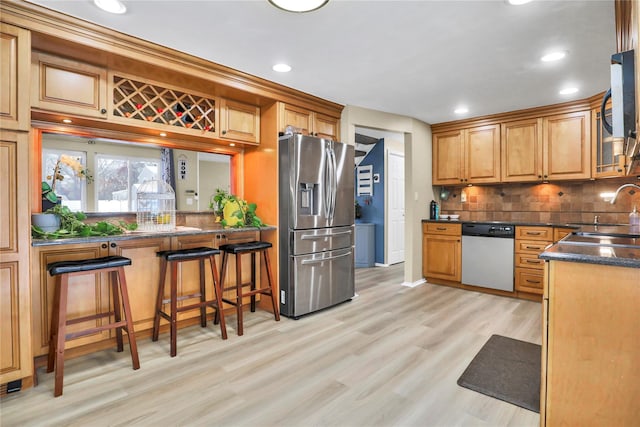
(607, 197)
(232, 145)
(162, 134)
(67, 121)
(298, 5)
(111, 6)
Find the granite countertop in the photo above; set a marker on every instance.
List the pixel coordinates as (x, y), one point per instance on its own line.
(179, 231)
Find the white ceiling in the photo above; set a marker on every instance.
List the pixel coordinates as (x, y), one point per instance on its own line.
(420, 59)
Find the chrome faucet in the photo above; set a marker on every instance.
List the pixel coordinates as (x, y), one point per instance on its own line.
(615, 196)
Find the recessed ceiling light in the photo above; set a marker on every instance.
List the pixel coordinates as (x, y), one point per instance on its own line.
(66, 121)
(281, 68)
(298, 5)
(111, 6)
(518, 2)
(568, 90)
(461, 110)
(553, 56)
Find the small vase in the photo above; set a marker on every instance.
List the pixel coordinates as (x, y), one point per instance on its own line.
(47, 222)
(47, 204)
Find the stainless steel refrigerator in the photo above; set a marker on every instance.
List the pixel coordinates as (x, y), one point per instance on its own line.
(316, 231)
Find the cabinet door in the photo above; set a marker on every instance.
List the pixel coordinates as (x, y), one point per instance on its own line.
(297, 117)
(326, 127)
(447, 158)
(240, 122)
(567, 146)
(15, 50)
(142, 276)
(15, 299)
(605, 162)
(522, 151)
(88, 294)
(443, 257)
(67, 86)
(482, 154)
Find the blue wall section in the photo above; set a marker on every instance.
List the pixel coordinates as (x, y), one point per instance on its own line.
(374, 211)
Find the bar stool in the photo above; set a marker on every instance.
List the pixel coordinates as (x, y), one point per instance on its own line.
(172, 259)
(239, 249)
(114, 265)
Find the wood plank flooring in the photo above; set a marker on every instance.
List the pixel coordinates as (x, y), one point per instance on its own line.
(390, 357)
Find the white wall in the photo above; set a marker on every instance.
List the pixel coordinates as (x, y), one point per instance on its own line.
(418, 189)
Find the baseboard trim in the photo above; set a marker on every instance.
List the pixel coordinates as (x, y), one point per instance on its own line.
(413, 284)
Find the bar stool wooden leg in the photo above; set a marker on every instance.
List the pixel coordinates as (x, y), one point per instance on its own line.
(217, 288)
(122, 280)
(117, 316)
(61, 332)
(271, 285)
(156, 318)
(174, 310)
(55, 323)
(239, 293)
(203, 295)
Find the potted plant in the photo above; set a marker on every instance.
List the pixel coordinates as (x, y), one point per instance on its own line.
(232, 211)
(49, 196)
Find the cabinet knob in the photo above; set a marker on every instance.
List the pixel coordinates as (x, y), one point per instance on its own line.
(461, 180)
(539, 176)
(113, 245)
(103, 246)
(545, 176)
(224, 132)
(103, 111)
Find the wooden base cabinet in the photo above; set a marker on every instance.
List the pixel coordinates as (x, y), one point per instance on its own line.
(442, 251)
(89, 293)
(590, 346)
(530, 242)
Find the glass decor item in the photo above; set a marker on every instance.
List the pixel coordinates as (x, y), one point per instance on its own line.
(156, 209)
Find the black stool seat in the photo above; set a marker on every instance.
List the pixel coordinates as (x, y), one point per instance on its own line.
(188, 254)
(62, 267)
(239, 248)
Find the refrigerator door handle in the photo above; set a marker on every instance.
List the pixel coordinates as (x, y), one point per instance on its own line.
(329, 258)
(322, 236)
(327, 182)
(334, 182)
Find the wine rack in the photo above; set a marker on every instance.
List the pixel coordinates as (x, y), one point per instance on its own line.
(153, 103)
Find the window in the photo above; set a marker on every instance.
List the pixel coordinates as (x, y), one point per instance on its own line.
(71, 188)
(117, 180)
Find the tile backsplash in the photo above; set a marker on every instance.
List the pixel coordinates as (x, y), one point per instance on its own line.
(544, 203)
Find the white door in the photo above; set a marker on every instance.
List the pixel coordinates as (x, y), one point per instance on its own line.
(395, 208)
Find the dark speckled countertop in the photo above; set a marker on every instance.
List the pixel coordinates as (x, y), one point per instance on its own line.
(179, 231)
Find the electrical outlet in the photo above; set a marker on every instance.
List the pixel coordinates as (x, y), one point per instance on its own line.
(463, 197)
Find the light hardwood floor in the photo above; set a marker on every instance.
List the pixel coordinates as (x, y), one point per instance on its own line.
(390, 357)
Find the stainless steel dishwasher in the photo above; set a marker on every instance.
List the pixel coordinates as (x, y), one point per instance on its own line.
(487, 255)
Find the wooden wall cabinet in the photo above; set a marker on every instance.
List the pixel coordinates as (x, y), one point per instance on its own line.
(442, 251)
(605, 163)
(309, 122)
(522, 150)
(590, 345)
(67, 86)
(567, 146)
(467, 156)
(15, 299)
(529, 269)
(239, 121)
(15, 53)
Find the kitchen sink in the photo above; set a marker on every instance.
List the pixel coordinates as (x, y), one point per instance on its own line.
(602, 240)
